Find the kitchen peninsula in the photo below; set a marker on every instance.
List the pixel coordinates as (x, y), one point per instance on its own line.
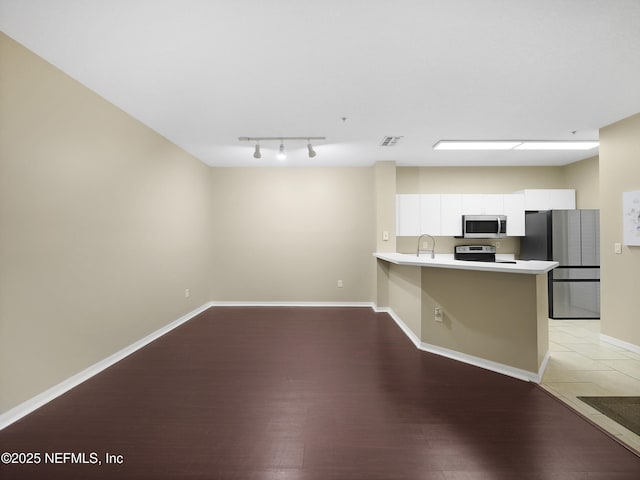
(493, 315)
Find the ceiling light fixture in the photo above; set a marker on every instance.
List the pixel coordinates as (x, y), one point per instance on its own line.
(312, 152)
(557, 145)
(281, 155)
(475, 145)
(515, 145)
(281, 152)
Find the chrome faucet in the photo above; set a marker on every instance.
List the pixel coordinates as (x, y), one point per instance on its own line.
(433, 245)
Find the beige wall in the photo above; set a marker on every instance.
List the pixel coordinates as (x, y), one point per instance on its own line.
(405, 295)
(477, 179)
(104, 225)
(385, 205)
(289, 234)
(584, 177)
(486, 314)
(619, 172)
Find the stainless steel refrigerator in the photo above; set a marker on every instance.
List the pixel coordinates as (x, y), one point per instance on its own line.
(572, 238)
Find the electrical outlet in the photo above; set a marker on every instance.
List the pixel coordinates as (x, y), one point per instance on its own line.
(438, 314)
(339, 283)
(617, 248)
(385, 236)
(186, 293)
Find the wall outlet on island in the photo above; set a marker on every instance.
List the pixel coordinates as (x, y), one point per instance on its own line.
(339, 283)
(186, 293)
(437, 312)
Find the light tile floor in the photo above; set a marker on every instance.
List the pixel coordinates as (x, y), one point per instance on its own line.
(581, 364)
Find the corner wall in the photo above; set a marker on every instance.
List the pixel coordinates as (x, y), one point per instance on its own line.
(104, 225)
(619, 172)
(584, 177)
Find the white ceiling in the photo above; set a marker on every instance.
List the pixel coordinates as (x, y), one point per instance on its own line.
(202, 73)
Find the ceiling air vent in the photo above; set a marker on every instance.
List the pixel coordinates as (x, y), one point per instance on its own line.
(389, 141)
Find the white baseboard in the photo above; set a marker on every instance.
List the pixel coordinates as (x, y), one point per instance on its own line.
(620, 343)
(25, 408)
(233, 303)
(469, 359)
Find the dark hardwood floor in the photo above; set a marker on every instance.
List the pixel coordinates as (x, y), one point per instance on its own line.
(307, 393)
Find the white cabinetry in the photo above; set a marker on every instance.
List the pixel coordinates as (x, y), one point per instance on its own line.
(430, 214)
(482, 204)
(549, 199)
(408, 215)
(441, 214)
(417, 214)
(514, 210)
(450, 215)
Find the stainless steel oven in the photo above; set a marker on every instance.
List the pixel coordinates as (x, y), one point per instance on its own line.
(484, 226)
(475, 253)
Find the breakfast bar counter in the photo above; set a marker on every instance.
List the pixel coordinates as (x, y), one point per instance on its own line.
(490, 314)
(532, 267)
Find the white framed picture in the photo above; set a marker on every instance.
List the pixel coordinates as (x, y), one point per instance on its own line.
(631, 218)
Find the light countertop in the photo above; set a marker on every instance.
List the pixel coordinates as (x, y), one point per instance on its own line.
(444, 260)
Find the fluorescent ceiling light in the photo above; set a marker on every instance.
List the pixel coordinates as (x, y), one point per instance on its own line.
(475, 145)
(514, 145)
(559, 145)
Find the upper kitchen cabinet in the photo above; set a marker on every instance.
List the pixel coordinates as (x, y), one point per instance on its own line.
(514, 210)
(408, 215)
(441, 214)
(482, 204)
(417, 214)
(430, 214)
(549, 199)
(450, 215)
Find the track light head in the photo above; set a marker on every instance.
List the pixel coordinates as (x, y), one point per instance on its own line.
(312, 152)
(281, 155)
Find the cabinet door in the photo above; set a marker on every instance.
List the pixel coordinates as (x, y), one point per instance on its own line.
(562, 199)
(450, 215)
(492, 204)
(482, 204)
(550, 199)
(536, 200)
(407, 215)
(430, 214)
(514, 210)
(471, 204)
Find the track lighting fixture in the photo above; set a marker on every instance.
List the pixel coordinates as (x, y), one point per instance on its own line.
(281, 155)
(312, 152)
(281, 152)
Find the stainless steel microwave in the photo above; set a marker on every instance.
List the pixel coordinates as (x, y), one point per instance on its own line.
(484, 226)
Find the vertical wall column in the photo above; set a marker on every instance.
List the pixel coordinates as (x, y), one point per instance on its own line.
(384, 176)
